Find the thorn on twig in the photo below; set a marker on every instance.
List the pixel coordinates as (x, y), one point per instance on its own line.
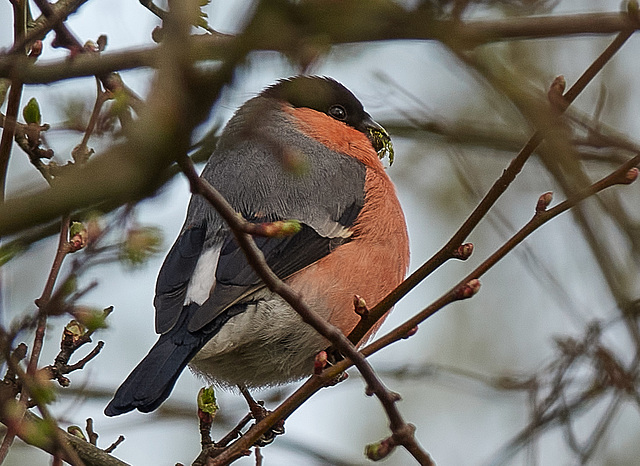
(543, 202)
(630, 176)
(410, 333)
(36, 49)
(555, 94)
(360, 306)
(463, 252)
(467, 290)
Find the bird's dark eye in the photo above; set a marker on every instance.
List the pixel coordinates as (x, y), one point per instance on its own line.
(338, 112)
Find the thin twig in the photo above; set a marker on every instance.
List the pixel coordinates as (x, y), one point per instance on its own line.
(315, 383)
(623, 175)
(487, 202)
(43, 25)
(43, 301)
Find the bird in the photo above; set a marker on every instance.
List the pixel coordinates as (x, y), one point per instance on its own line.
(303, 149)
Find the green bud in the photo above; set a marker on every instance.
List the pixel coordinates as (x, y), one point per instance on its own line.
(76, 432)
(76, 228)
(31, 112)
(91, 318)
(140, 244)
(207, 401)
(379, 450)
(75, 329)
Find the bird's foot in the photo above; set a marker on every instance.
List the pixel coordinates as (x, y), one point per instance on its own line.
(259, 412)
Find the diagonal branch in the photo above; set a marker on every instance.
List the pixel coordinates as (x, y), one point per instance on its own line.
(494, 193)
(399, 427)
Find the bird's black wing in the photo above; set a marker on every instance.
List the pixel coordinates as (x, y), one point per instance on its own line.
(326, 197)
(174, 276)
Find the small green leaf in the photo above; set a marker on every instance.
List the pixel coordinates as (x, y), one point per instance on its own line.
(31, 112)
(207, 401)
(91, 318)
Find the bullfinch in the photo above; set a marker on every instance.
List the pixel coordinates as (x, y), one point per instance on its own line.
(213, 313)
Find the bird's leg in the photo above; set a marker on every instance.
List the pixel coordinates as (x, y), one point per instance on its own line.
(259, 412)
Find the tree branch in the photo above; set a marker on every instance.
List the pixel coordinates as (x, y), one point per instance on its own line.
(494, 193)
(398, 24)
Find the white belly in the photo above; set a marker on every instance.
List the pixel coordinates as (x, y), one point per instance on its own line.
(266, 345)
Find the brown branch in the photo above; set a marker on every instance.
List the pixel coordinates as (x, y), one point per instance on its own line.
(8, 132)
(44, 24)
(43, 301)
(64, 37)
(391, 23)
(15, 95)
(72, 340)
(626, 174)
(88, 454)
(16, 423)
(295, 300)
(129, 180)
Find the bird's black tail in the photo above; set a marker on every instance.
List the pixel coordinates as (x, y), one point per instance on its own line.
(152, 381)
